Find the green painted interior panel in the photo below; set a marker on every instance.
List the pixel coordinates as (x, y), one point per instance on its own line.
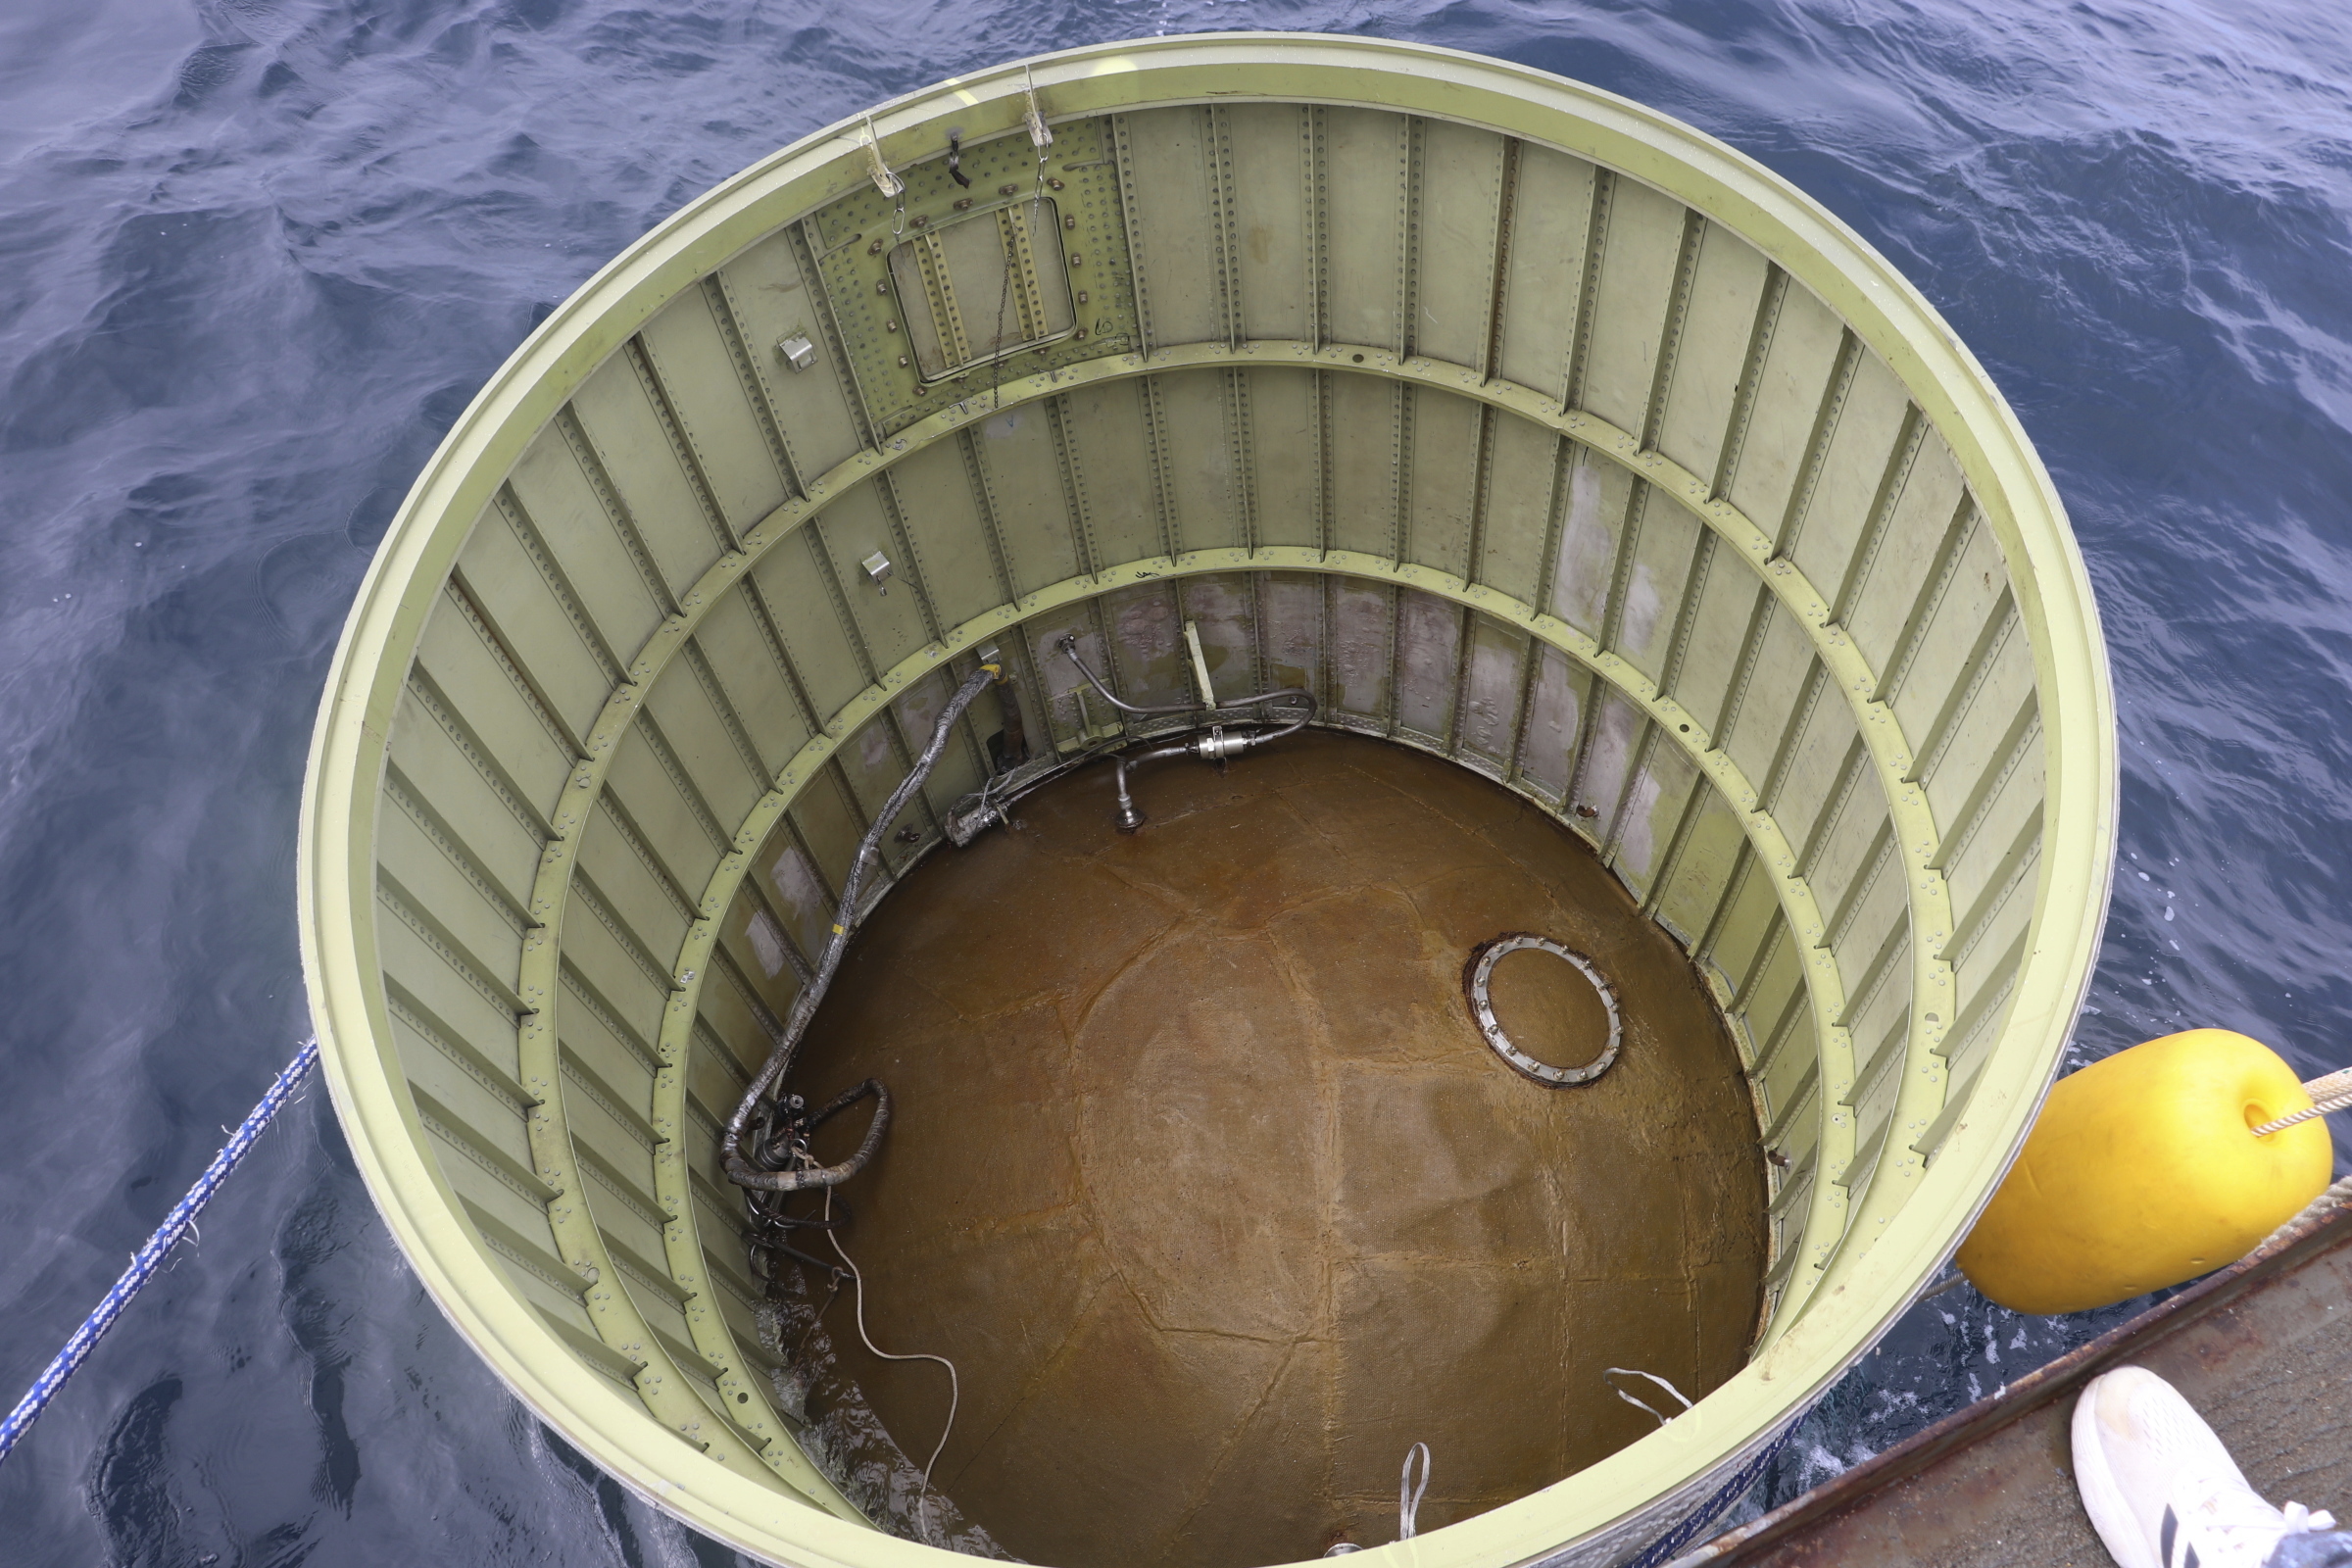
(1520, 425)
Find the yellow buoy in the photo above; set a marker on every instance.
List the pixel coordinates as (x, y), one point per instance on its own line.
(2143, 1171)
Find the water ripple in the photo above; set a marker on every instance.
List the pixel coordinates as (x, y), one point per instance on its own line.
(255, 256)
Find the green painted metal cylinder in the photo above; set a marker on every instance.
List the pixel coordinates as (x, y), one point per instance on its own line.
(1524, 425)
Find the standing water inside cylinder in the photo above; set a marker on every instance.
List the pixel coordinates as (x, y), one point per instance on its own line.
(262, 251)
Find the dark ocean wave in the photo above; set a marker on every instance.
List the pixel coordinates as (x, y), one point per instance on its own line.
(255, 256)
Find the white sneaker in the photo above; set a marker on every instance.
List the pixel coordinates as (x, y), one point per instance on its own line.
(2159, 1487)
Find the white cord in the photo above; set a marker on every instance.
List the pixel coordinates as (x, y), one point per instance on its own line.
(1408, 1495)
(923, 1523)
(1640, 1404)
(2330, 1093)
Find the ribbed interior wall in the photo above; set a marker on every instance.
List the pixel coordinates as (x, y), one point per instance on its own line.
(1506, 456)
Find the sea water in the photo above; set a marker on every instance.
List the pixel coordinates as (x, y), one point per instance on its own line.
(256, 255)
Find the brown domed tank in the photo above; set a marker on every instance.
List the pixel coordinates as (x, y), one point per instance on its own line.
(1202, 1174)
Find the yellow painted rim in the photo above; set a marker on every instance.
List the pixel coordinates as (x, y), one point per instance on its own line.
(1615, 1505)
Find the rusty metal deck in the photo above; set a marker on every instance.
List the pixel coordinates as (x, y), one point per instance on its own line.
(2262, 1349)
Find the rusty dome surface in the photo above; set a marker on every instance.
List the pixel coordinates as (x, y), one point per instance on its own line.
(1205, 1180)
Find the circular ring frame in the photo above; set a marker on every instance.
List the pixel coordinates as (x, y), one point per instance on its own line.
(1482, 1010)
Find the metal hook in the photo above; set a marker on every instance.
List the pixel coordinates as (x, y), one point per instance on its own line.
(956, 158)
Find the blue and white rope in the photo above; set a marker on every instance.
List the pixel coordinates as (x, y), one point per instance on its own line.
(182, 1219)
(150, 1257)
(1668, 1546)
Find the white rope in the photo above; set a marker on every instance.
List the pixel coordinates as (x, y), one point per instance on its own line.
(923, 1523)
(1408, 1495)
(1641, 1404)
(2332, 1092)
(2335, 1196)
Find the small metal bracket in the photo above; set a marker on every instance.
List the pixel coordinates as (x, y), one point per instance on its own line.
(877, 570)
(799, 352)
(888, 183)
(1482, 1010)
(965, 823)
(1041, 134)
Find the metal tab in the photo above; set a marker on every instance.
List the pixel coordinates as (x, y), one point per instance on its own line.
(888, 183)
(1191, 640)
